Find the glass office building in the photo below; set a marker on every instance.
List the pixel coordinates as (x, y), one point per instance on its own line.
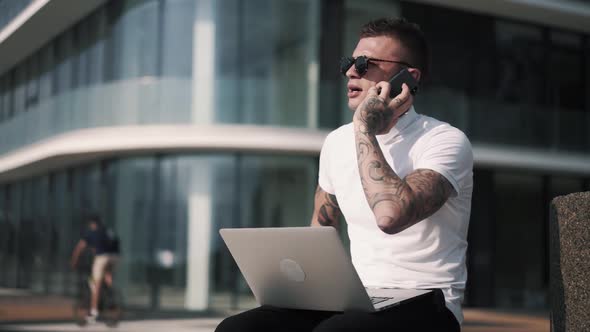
(174, 118)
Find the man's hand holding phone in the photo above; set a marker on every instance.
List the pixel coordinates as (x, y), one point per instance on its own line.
(379, 112)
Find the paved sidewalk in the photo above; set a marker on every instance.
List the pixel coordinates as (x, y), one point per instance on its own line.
(23, 312)
(487, 320)
(176, 325)
(476, 321)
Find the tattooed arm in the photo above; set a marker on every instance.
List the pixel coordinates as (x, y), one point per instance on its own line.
(396, 203)
(326, 210)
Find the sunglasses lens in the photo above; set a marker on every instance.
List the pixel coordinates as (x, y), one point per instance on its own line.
(345, 64)
(361, 64)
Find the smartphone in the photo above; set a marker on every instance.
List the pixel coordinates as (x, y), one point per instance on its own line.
(403, 76)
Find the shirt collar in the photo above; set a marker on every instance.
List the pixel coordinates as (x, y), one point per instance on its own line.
(403, 122)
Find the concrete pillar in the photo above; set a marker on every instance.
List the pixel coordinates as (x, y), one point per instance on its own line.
(200, 216)
(204, 63)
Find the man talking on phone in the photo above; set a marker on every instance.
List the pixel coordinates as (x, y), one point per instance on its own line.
(402, 181)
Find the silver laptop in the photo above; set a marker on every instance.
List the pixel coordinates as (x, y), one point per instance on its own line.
(305, 268)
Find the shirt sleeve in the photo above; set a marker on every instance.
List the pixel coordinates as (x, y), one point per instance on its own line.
(448, 152)
(324, 168)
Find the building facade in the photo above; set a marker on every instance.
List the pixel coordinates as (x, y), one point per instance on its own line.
(174, 118)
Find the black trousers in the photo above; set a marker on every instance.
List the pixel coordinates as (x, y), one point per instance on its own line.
(426, 313)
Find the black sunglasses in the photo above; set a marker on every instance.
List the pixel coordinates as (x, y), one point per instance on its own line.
(361, 64)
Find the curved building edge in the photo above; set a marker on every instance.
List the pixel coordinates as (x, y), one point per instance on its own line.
(85, 145)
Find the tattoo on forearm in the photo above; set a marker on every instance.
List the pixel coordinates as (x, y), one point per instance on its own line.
(431, 189)
(363, 150)
(397, 202)
(377, 115)
(386, 197)
(329, 211)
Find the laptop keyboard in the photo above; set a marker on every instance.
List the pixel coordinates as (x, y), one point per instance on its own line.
(377, 300)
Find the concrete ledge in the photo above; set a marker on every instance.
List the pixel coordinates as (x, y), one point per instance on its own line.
(87, 145)
(41, 21)
(565, 14)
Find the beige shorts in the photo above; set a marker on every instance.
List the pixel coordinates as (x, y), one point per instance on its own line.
(101, 264)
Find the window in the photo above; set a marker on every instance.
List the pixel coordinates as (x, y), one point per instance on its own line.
(32, 82)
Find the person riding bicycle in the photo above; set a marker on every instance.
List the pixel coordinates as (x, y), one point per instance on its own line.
(105, 247)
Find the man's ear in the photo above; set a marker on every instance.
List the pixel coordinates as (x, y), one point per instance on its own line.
(416, 73)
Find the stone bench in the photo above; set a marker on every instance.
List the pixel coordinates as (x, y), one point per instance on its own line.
(570, 262)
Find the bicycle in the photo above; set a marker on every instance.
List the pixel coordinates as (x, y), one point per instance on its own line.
(110, 303)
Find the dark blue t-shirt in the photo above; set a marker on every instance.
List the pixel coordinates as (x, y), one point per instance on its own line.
(100, 241)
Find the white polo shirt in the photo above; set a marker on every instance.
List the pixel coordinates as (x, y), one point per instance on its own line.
(429, 254)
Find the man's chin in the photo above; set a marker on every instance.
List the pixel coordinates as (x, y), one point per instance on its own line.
(353, 105)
